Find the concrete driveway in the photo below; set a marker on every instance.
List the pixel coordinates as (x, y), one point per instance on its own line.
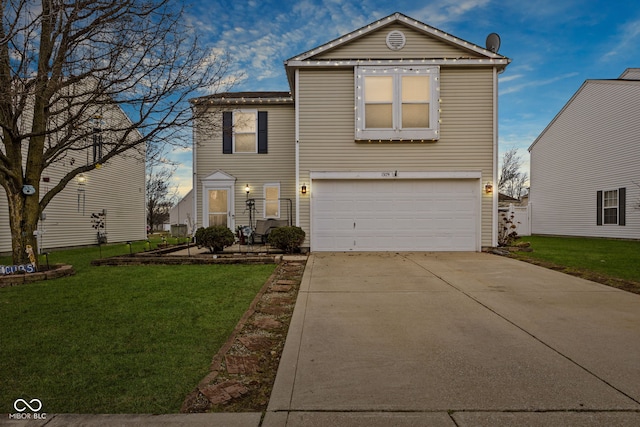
(456, 339)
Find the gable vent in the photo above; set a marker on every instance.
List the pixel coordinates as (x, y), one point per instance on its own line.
(396, 40)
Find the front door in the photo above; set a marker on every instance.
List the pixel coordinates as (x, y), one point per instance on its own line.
(219, 209)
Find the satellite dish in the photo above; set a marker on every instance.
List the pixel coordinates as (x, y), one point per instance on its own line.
(493, 42)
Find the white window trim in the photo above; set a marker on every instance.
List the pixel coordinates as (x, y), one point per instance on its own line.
(397, 134)
(264, 190)
(616, 207)
(255, 114)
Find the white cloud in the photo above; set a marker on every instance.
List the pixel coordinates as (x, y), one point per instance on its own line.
(626, 41)
(446, 11)
(536, 83)
(506, 79)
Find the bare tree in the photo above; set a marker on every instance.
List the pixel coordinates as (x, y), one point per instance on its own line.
(512, 180)
(66, 64)
(160, 199)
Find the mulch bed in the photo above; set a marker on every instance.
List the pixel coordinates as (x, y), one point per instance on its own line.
(243, 371)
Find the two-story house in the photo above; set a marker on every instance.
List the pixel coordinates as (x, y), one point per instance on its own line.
(387, 140)
(585, 179)
(106, 204)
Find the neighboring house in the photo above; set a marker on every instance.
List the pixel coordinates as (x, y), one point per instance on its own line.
(505, 200)
(386, 141)
(109, 200)
(585, 179)
(182, 212)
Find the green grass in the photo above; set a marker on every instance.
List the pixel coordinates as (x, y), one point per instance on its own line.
(118, 339)
(619, 259)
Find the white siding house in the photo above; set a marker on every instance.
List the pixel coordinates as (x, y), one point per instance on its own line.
(112, 195)
(387, 140)
(585, 178)
(182, 212)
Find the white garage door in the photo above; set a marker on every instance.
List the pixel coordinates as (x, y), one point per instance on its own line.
(395, 215)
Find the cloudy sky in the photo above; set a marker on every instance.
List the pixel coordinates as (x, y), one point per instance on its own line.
(554, 45)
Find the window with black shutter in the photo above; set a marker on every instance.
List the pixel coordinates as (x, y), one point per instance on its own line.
(244, 131)
(611, 207)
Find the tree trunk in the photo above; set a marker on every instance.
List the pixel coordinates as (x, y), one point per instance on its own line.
(24, 212)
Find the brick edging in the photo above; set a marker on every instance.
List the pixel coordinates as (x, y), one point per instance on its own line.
(59, 270)
(216, 361)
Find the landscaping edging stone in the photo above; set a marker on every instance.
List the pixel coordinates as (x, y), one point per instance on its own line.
(243, 371)
(185, 260)
(56, 271)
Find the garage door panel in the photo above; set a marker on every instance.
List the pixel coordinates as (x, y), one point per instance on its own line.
(394, 215)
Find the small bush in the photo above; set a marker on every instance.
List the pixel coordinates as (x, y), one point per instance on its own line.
(288, 239)
(216, 237)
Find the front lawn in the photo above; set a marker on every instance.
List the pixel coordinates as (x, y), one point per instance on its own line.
(118, 339)
(595, 259)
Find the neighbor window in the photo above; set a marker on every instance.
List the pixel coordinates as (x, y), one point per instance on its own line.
(97, 145)
(397, 103)
(611, 207)
(272, 200)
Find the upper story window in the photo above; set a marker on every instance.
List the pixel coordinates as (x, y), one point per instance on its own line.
(397, 103)
(97, 145)
(244, 131)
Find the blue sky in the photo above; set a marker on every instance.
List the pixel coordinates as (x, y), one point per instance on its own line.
(554, 45)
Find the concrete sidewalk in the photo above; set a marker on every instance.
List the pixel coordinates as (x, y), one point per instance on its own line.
(466, 339)
(136, 420)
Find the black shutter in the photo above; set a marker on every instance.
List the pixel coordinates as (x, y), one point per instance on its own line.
(227, 132)
(262, 132)
(622, 203)
(599, 204)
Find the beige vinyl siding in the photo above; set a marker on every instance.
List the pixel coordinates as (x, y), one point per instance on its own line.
(326, 103)
(118, 186)
(591, 145)
(374, 45)
(631, 74)
(277, 166)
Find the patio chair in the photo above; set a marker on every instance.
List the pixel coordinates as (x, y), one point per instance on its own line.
(264, 227)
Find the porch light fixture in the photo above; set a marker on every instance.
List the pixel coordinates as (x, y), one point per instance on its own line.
(303, 189)
(488, 188)
(247, 189)
(82, 181)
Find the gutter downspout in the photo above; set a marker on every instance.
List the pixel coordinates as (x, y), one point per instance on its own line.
(297, 119)
(194, 168)
(494, 223)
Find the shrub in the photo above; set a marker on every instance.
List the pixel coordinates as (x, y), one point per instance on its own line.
(216, 237)
(288, 239)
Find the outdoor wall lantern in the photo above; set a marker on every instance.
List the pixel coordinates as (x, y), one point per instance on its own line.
(488, 188)
(303, 189)
(247, 189)
(82, 181)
